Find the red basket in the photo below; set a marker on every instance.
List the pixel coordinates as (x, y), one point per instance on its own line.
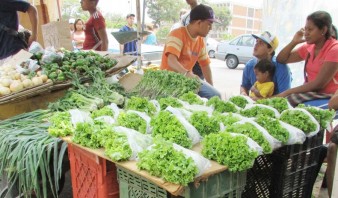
(92, 176)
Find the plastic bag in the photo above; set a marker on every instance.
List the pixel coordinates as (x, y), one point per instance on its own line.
(191, 130)
(106, 119)
(251, 143)
(296, 136)
(137, 141)
(157, 105)
(274, 143)
(201, 162)
(145, 117)
(78, 116)
(51, 55)
(27, 66)
(311, 133)
(36, 48)
(195, 107)
(240, 117)
(249, 106)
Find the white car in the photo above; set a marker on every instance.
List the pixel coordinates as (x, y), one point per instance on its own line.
(211, 47)
(236, 51)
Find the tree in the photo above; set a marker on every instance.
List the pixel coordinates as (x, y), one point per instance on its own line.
(222, 14)
(72, 9)
(164, 10)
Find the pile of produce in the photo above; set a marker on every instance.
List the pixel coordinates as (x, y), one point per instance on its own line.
(299, 119)
(162, 83)
(191, 98)
(278, 103)
(274, 127)
(204, 123)
(12, 81)
(221, 105)
(324, 117)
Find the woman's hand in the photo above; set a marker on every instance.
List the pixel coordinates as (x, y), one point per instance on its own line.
(299, 36)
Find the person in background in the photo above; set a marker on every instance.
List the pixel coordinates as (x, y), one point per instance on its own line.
(185, 46)
(71, 25)
(131, 47)
(264, 86)
(179, 23)
(11, 42)
(78, 35)
(321, 60)
(151, 38)
(265, 47)
(95, 28)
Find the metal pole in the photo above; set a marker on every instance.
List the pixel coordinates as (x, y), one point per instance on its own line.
(139, 39)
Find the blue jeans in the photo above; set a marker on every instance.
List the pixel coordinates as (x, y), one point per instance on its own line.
(208, 91)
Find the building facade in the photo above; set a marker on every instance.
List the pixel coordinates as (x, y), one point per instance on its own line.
(246, 16)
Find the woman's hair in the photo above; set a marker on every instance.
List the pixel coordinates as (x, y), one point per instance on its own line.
(77, 20)
(265, 65)
(322, 19)
(334, 32)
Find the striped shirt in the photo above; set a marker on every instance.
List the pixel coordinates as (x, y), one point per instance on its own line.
(187, 49)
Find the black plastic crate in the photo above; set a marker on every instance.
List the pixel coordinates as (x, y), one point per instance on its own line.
(288, 172)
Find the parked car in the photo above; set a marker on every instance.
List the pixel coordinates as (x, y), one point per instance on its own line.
(211, 47)
(149, 53)
(236, 51)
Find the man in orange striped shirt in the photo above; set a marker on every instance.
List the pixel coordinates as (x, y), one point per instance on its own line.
(185, 46)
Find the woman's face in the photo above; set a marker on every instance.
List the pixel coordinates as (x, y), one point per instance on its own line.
(79, 25)
(312, 33)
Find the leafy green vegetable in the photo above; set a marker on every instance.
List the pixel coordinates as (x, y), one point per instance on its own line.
(162, 84)
(61, 124)
(257, 110)
(117, 147)
(133, 121)
(323, 116)
(221, 106)
(162, 160)
(278, 103)
(169, 101)
(227, 120)
(251, 131)
(191, 98)
(298, 119)
(239, 101)
(229, 150)
(203, 123)
(170, 128)
(105, 111)
(274, 127)
(141, 104)
(85, 134)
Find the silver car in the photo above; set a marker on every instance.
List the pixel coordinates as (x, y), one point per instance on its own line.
(236, 51)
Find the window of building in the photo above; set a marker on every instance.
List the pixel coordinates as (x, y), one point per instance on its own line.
(251, 12)
(249, 23)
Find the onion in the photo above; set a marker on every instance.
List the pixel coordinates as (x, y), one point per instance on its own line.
(37, 81)
(5, 82)
(16, 86)
(44, 77)
(4, 91)
(27, 83)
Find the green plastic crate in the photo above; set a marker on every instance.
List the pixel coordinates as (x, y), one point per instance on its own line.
(225, 184)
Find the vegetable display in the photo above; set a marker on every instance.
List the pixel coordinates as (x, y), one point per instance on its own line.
(298, 119)
(169, 101)
(251, 131)
(170, 128)
(221, 106)
(191, 98)
(105, 111)
(85, 134)
(232, 151)
(324, 117)
(140, 104)
(117, 147)
(61, 124)
(133, 121)
(162, 83)
(257, 110)
(273, 127)
(203, 123)
(227, 120)
(164, 161)
(239, 101)
(278, 103)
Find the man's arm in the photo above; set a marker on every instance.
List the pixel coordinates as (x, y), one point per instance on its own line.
(282, 78)
(104, 38)
(33, 17)
(207, 74)
(246, 83)
(178, 67)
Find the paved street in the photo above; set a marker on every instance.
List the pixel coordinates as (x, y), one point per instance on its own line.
(226, 81)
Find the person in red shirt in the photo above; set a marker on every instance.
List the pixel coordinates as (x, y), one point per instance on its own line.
(95, 28)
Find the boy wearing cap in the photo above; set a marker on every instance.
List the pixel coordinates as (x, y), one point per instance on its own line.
(185, 46)
(131, 47)
(265, 47)
(95, 28)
